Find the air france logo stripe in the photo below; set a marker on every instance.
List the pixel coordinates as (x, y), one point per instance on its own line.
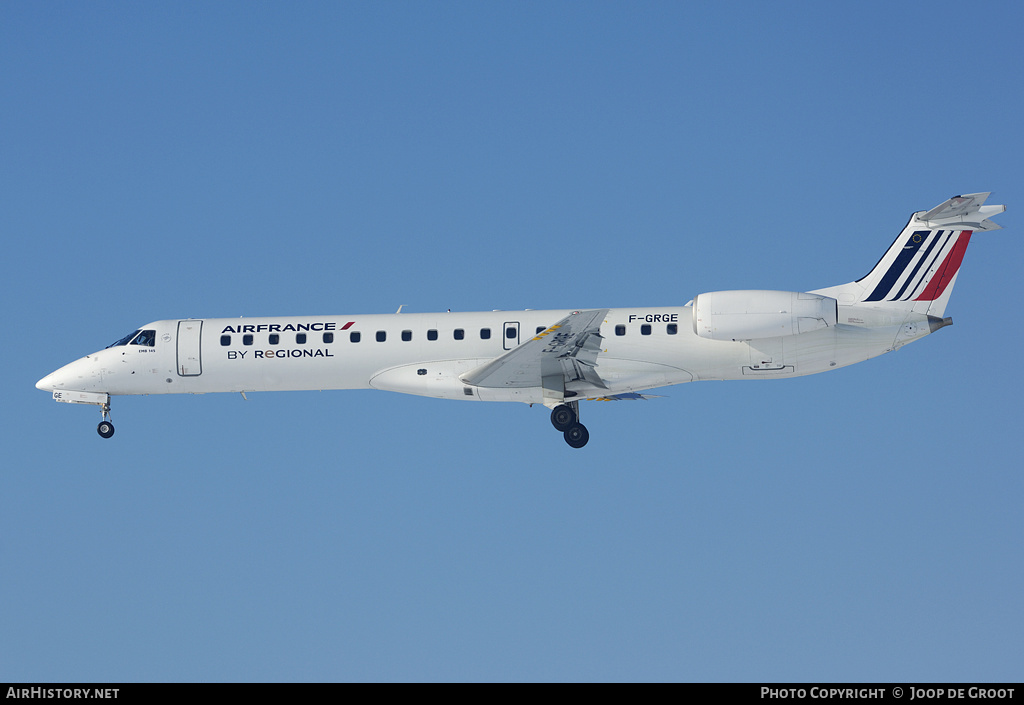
(915, 268)
(926, 257)
(899, 266)
(947, 270)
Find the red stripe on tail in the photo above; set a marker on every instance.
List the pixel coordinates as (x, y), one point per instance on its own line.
(947, 270)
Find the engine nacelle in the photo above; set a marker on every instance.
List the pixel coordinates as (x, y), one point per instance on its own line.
(753, 314)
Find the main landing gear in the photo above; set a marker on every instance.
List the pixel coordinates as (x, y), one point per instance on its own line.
(565, 418)
(106, 428)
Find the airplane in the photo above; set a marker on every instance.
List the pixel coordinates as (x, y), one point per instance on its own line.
(556, 358)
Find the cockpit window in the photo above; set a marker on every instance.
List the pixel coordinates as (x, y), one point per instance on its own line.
(125, 340)
(146, 337)
(139, 337)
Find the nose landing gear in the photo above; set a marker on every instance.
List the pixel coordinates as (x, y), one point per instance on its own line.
(100, 399)
(565, 418)
(106, 428)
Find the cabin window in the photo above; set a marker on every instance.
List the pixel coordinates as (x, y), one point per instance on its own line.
(540, 329)
(485, 334)
(620, 329)
(672, 328)
(459, 334)
(355, 336)
(275, 338)
(225, 340)
(300, 338)
(247, 339)
(146, 338)
(328, 337)
(510, 332)
(381, 336)
(432, 334)
(406, 335)
(645, 329)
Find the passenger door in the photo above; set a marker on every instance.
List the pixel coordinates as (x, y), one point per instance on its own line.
(190, 335)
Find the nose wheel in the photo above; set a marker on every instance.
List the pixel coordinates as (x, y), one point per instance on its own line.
(106, 428)
(566, 418)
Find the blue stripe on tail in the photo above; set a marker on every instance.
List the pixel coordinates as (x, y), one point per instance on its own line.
(902, 260)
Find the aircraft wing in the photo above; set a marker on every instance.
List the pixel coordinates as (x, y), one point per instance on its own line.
(564, 354)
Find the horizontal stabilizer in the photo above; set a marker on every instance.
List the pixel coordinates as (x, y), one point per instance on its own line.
(966, 212)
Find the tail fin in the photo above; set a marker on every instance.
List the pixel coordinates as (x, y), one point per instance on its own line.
(919, 269)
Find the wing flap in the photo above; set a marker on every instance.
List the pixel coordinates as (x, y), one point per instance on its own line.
(626, 396)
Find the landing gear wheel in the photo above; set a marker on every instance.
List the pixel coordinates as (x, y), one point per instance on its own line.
(105, 429)
(563, 417)
(577, 435)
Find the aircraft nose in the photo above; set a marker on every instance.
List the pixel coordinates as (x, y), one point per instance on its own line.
(75, 375)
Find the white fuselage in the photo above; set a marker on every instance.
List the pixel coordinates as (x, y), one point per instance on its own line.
(424, 353)
(557, 357)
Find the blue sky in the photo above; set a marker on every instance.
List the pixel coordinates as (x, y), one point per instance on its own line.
(203, 160)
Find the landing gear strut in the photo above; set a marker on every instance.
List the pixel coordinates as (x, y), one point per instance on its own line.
(106, 428)
(565, 418)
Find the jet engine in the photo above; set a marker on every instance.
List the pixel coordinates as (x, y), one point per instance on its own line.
(753, 314)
